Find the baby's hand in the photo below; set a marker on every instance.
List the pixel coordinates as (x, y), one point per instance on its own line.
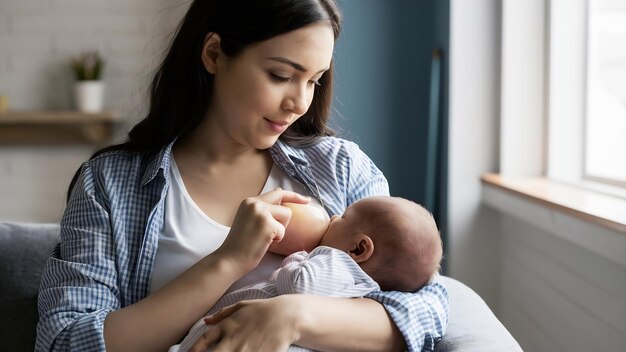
(304, 231)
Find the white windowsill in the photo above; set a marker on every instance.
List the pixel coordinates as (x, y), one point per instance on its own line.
(590, 219)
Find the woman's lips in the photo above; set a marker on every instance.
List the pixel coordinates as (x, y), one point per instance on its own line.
(277, 126)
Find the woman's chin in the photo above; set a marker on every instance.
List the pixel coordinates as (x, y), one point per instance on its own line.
(266, 143)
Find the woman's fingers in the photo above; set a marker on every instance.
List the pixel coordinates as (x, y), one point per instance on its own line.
(254, 325)
(281, 214)
(259, 222)
(279, 196)
(223, 313)
(208, 339)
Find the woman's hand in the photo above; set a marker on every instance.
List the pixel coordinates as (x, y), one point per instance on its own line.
(259, 222)
(314, 322)
(255, 325)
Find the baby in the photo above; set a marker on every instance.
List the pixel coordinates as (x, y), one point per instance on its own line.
(379, 243)
(404, 234)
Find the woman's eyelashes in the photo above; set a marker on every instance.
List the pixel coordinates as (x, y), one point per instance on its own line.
(279, 78)
(285, 79)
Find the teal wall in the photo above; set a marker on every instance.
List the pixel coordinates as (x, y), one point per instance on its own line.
(383, 63)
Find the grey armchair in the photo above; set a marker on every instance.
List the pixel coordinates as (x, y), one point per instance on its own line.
(24, 249)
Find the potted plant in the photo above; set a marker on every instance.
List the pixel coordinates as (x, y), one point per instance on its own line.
(88, 88)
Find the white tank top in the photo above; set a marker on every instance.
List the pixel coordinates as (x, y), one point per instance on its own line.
(189, 235)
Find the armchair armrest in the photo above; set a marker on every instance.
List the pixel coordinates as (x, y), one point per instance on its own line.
(472, 325)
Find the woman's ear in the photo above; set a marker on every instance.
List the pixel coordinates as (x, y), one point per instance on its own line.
(210, 51)
(363, 248)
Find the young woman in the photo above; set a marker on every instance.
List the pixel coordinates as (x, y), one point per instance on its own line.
(157, 229)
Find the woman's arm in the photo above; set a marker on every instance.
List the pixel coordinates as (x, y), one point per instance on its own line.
(422, 317)
(335, 324)
(162, 318)
(159, 320)
(90, 276)
(79, 285)
(90, 279)
(405, 321)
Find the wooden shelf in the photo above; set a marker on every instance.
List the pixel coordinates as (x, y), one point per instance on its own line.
(56, 127)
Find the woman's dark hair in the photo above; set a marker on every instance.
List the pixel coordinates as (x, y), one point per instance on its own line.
(181, 89)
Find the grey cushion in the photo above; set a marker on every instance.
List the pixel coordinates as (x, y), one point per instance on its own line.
(24, 249)
(472, 326)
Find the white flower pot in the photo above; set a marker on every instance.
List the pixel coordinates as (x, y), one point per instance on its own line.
(89, 96)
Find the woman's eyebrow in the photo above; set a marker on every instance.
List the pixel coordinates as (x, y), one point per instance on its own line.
(295, 65)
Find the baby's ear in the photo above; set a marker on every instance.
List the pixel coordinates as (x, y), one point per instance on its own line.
(362, 248)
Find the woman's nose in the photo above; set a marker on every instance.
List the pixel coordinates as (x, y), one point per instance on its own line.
(297, 101)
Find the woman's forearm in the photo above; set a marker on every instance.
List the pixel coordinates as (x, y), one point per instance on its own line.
(161, 319)
(344, 324)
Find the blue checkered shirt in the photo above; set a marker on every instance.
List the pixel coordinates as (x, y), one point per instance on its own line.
(110, 230)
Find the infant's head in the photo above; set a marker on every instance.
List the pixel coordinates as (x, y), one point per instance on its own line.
(394, 240)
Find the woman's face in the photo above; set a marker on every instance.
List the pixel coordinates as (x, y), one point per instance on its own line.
(259, 93)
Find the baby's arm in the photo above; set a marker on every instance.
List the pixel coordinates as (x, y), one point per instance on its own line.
(325, 271)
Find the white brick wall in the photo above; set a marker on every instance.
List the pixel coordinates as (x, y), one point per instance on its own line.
(37, 38)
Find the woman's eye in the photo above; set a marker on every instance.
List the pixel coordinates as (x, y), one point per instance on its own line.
(279, 78)
(284, 79)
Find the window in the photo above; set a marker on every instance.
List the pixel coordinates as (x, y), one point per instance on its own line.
(605, 115)
(546, 109)
(586, 100)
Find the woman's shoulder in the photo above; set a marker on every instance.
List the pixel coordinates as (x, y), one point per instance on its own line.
(123, 165)
(114, 160)
(336, 147)
(333, 141)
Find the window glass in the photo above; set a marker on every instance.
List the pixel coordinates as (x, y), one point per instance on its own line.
(605, 132)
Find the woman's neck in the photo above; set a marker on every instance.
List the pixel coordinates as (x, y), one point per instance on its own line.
(208, 143)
